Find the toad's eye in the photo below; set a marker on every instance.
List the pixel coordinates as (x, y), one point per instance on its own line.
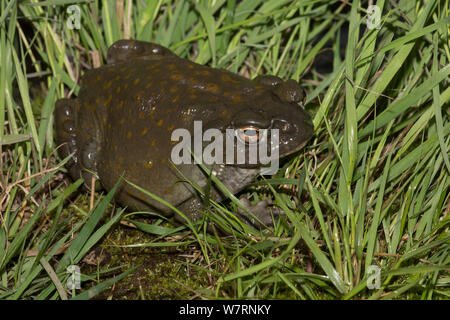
(249, 134)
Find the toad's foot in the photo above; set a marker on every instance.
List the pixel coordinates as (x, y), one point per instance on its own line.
(263, 210)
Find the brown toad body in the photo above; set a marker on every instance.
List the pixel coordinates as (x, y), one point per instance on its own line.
(123, 118)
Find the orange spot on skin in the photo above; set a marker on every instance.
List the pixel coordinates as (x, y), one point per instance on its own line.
(136, 81)
(171, 127)
(122, 121)
(97, 100)
(176, 98)
(144, 131)
(107, 84)
(153, 143)
(176, 76)
(149, 164)
(236, 97)
(224, 113)
(152, 114)
(204, 73)
(193, 81)
(129, 135)
(160, 122)
(148, 85)
(212, 87)
(226, 77)
(141, 115)
(163, 161)
(108, 100)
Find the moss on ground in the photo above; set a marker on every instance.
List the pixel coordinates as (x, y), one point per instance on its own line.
(162, 272)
